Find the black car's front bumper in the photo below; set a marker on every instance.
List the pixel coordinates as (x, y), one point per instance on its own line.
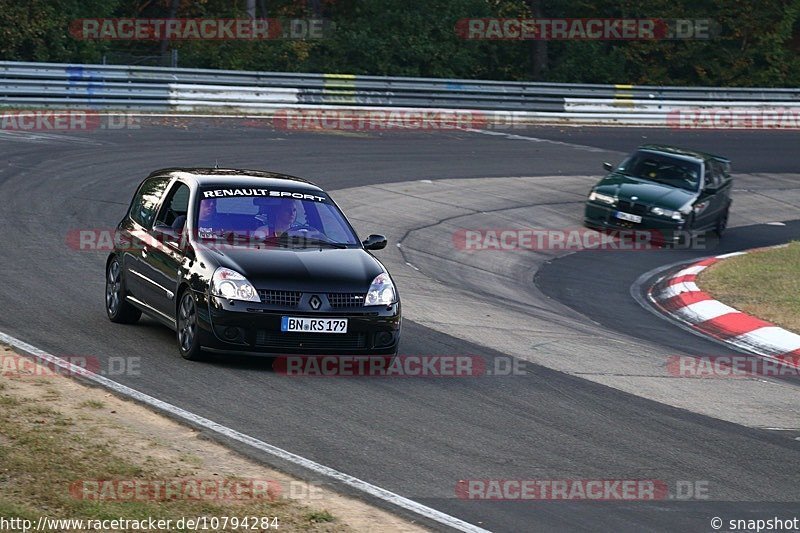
(251, 327)
(660, 229)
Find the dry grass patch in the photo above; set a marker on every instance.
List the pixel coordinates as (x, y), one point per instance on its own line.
(55, 432)
(765, 284)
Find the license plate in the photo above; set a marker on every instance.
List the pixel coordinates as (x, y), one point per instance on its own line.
(313, 325)
(628, 217)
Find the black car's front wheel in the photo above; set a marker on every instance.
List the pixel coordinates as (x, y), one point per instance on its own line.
(188, 336)
(118, 308)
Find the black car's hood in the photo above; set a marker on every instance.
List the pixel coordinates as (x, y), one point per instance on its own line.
(305, 269)
(646, 192)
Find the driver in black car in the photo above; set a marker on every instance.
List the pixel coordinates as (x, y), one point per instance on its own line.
(281, 218)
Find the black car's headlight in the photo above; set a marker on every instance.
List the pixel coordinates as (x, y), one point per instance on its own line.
(602, 198)
(381, 291)
(668, 213)
(231, 285)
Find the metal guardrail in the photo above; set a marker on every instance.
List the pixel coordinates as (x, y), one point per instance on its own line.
(117, 87)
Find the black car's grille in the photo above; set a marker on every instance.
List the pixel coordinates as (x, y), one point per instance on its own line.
(324, 341)
(346, 299)
(632, 207)
(281, 298)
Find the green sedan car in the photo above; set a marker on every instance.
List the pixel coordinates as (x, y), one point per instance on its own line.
(674, 193)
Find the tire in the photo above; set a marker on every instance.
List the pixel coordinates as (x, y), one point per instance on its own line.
(687, 235)
(187, 330)
(722, 223)
(118, 308)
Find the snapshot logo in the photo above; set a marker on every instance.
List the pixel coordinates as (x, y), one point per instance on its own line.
(725, 119)
(579, 489)
(17, 366)
(66, 120)
(214, 29)
(732, 366)
(570, 29)
(750, 524)
(571, 239)
(354, 120)
(401, 366)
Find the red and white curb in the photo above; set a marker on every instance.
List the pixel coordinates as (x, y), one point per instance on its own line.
(678, 296)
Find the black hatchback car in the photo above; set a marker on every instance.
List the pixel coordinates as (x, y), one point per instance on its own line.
(678, 193)
(250, 262)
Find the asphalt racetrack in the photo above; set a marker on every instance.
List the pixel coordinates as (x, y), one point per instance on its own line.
(421, 437)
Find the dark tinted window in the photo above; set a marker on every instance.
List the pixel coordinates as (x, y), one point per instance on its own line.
(665, 169)
(711, 177)
(266, 217)
(176, 205)
(720, 171)
(143, 209)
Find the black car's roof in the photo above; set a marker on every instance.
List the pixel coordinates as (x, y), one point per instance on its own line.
(216, 177)
(674, 150)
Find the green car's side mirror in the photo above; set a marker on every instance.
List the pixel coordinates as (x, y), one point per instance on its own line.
(608, 166)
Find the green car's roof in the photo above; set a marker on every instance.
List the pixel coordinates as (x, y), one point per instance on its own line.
(674, 150)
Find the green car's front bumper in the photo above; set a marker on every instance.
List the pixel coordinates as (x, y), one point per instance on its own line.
(603, 217)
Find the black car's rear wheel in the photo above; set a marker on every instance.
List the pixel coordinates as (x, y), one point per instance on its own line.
(188, 336)
(118, 308)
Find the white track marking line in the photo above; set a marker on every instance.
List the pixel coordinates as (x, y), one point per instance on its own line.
(537, 140)
(691, 271)
(345, 479)
(732, 254)
(42, 138)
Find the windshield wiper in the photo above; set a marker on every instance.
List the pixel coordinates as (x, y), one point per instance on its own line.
(284, 240)
(319, 242)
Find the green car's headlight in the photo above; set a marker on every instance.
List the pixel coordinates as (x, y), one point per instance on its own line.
(602, 198)
(668, 213)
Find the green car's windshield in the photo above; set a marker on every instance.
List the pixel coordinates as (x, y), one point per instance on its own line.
(660, 168)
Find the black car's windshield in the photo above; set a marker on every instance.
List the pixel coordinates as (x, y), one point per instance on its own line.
(660, 168)
(271, 220)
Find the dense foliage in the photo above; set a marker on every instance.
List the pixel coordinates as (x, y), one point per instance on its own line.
(758, 43)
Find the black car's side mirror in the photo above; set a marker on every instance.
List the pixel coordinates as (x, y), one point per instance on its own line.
(374, 242)
(608, 166)
(711, 188)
